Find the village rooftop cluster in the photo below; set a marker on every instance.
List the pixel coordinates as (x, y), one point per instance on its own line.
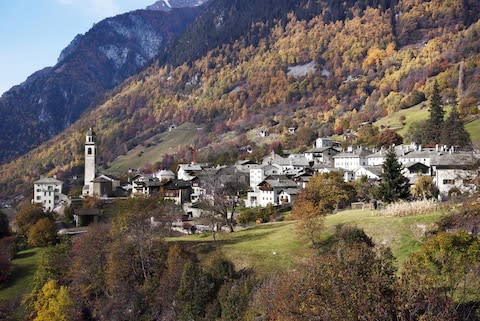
(276, 180)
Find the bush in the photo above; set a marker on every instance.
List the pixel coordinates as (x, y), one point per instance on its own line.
(247, 216)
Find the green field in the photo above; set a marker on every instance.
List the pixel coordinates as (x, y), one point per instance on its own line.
(155, 148)
(473, 128)
(276, 246)
(412, 115)
(24, 267)
(416, 114)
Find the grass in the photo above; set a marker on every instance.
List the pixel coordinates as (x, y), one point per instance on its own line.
(155, 149)
(266, 247)
(402, 234)
(412, 115)
(418, 113)
(276, 246)
(25, 264)
(473, 128)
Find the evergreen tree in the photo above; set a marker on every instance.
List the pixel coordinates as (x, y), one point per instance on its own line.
(394, 185)
(435, 121)
(454, 133)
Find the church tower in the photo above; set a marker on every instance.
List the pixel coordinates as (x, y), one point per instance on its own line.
(90, 162)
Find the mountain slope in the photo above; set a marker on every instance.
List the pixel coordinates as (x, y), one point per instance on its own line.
(347, 72)
(114, 49)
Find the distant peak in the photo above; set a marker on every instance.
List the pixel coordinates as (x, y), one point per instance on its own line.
(167, 5)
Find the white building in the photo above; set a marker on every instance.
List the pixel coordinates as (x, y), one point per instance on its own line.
(48, 193)
(90, 162)
(455, 172)
(352, 159)
(269, 190)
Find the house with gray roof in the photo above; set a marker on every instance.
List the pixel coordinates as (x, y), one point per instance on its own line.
(351, 159)
(47, 192)
(455, 171)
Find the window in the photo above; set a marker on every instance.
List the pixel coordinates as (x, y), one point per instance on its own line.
(448, 181)
(38, 198)
(89, 151)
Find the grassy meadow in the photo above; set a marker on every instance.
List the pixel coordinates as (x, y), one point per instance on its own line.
(277, 246)
(155, 148)
(24, 266)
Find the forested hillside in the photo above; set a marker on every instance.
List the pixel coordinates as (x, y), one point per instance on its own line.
(326, 66)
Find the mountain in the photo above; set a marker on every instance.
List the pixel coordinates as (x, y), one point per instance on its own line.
(114, 49)
(168, 5)
(325, 67)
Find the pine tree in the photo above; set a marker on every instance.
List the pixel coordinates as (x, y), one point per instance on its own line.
(435, 121)
(394, 185)
(454, 133)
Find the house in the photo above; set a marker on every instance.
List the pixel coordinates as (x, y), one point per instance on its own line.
(165, 175)
(176, 190)
(263, 133)
(292, 130)
(145, 184)
(268, 192)
(351, 159)
(294, 162)
(370, 172)
(413, 170)
(322, 155)
(187, 171)
(455, 171)
(48, 193)
(288, 196)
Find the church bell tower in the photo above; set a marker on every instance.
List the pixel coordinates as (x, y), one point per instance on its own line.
(90, 162)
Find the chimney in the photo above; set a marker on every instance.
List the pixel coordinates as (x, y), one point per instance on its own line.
(419, 148)
(436, 147)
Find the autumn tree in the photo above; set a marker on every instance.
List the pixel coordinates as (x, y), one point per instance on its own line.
(394, 184)
(53, 303)
(194, 293)
(27, 216)
(444, 271)
(388, 138)
(322, 195)
(88, 268)
(425, 188)
(351, 281)
(42, 233)
(221, 199)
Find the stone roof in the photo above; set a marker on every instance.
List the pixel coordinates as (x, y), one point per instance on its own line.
(376, 170)
(48, 180)
(455, 160)
(281, 183)
(354, 154)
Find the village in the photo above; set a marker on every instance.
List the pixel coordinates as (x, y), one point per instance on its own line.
(275, 181)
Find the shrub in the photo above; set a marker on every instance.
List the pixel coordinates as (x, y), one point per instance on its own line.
(247, 216)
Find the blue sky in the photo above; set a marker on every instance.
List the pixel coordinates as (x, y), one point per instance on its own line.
(33, 32)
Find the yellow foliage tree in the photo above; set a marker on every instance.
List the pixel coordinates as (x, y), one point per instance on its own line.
(53, 303)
